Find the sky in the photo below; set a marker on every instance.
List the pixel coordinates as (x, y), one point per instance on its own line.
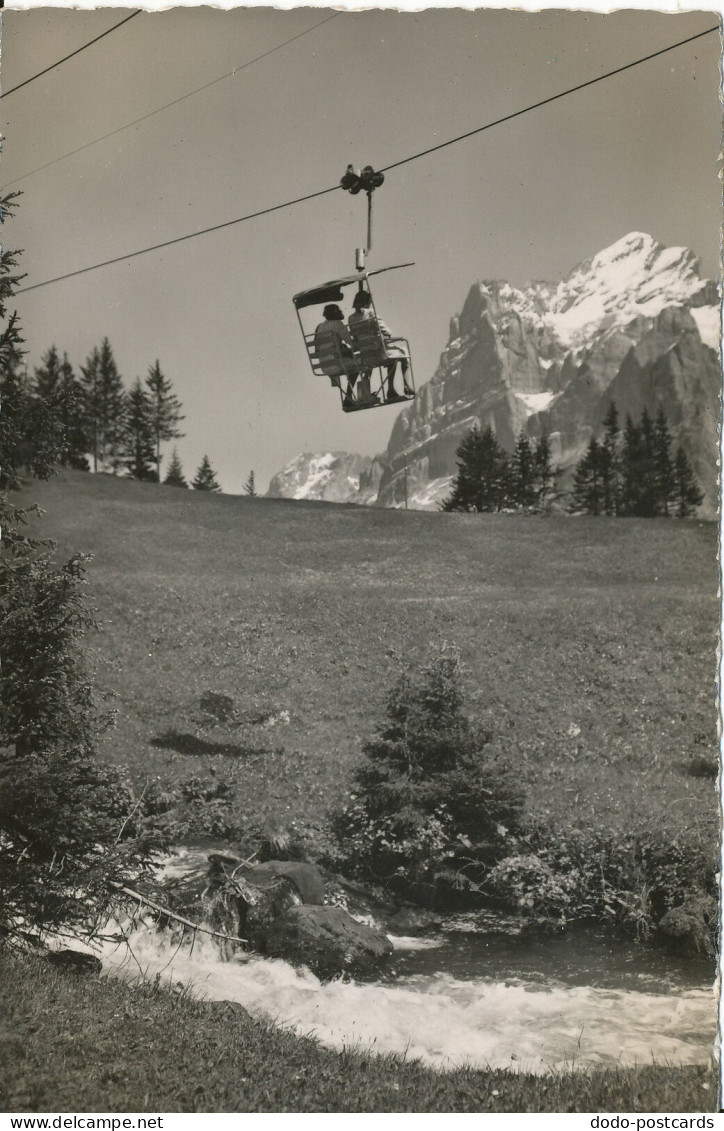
(528, 199)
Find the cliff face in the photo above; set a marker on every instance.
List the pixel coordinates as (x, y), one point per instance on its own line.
(334, 477)
(636, 324)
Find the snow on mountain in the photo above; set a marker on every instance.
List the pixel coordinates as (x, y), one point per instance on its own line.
(333, 477)
(636, 321)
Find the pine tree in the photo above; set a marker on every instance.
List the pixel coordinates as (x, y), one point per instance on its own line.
(56, 383)
(664, 472)
(633, 465)
(165, 411)
(104, 408)
(688, 495)
(481, 483)
(250, 487)
(175, 474)
(205, 478)
(611, 462)
(522, 487)
(139, 435)
(48, 374)
(588, 494)
(544, 474)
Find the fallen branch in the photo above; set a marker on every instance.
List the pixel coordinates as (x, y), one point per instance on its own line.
(173, 915)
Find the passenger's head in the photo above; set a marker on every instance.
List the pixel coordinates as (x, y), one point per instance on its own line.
(332, 313)
(362, 301)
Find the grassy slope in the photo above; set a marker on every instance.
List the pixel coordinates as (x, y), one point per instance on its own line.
(589, 643)
(69, 1044)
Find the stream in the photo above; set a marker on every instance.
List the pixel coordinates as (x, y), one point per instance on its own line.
(476, 993)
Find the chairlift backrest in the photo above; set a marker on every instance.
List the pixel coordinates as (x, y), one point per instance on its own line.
(368, 341)
(330, 358)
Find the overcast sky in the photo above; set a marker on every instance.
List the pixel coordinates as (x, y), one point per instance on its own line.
(527, 199)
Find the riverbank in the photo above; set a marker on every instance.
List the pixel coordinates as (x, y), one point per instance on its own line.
(70, 1043)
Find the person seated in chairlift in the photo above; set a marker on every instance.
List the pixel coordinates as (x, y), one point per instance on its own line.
(334, 325)
(363, 312)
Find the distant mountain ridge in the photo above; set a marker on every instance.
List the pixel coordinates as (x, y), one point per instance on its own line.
(636, 323)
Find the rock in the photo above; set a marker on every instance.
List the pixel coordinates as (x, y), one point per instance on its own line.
(327, 940)
(225, 1008)
(260, 904)
(689, 929)
(77, 961)
(306, 877)
(413, 921)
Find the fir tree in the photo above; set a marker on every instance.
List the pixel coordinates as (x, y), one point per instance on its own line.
(205, 478)
(249, 486)
(688, 495)
(664, 473)
(175, 474)
(481, 483)
(165, 411)
(48, 374)
(105, 408)
(522, 487)
(588, 494)
(139, 435)
(56, 383)
(633, 468)
(611, 462)
(544, 474)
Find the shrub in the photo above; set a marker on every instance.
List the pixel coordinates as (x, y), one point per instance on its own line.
(431, 794)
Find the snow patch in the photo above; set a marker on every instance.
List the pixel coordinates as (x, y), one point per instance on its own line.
(708, 323)
(536, 402)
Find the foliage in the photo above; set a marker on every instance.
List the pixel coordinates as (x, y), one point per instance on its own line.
(431, 794)
(139, 435)
(635, 474)
(250, 486)
(104, 408)
(56, 384)
(175, 474)
(164, 411)
(488, 479)
(205, 478)
(628, 880)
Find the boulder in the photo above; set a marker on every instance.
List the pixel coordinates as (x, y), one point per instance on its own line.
(327, 940)
(306, 878)
(689, 929)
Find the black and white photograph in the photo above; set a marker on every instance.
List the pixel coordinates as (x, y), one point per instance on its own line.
(360, 401)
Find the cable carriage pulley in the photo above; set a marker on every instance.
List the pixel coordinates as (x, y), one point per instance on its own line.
(356, 351)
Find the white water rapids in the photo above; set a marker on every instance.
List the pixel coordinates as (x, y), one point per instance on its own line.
(442, 1019)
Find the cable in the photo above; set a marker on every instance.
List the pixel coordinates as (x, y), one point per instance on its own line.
(546, 101)
(65, 58)
(167, 105)
(334, 188)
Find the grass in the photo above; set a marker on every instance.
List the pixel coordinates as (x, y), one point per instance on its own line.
(589, 643)
(92, 1045)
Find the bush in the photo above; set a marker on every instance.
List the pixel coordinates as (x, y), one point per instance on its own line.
(432, 796)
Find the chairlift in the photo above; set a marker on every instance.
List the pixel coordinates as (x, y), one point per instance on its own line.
(358, 355)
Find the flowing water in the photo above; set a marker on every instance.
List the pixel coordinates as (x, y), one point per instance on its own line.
(470, 996)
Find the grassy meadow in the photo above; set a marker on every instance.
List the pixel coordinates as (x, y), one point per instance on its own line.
(589, 643)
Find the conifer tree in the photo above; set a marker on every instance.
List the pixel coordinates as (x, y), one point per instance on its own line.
(104, 408)
(56, 383)
(481, 483)
(611, 462)
(205, 478)
(249, 486)
(175, 474)
(522, 487)
(139, 436)
(588, 494)
(688, 494)
(48, 374)
(544, 474)
(165, 411)
(633, 467)
(664, 472)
